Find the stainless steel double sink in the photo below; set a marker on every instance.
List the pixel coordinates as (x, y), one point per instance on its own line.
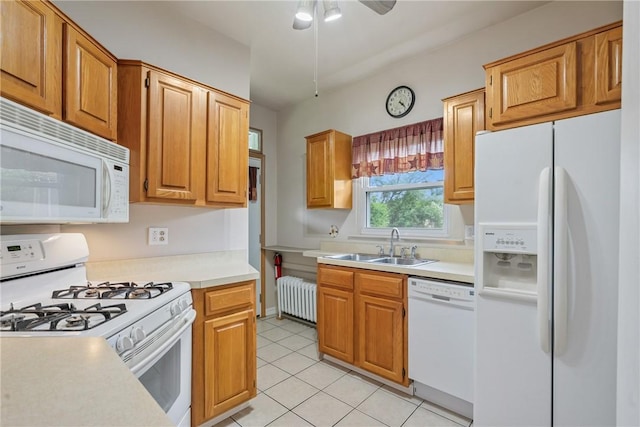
(381, 259)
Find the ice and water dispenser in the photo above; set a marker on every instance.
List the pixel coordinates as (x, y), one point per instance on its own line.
(509, 259)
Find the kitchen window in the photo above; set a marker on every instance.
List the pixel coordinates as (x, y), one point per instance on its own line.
(411, 201)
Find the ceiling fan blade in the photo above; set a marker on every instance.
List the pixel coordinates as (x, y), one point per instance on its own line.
(379, 6)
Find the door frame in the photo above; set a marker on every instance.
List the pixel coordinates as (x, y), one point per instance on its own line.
(261, 157)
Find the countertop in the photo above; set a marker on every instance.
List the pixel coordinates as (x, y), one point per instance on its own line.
(445, 270)
(199, 270)
(71, 381)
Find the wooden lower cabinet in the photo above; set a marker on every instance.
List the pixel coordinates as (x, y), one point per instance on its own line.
(224, 350)
(362, 319)
(335, 323)
(381, 337)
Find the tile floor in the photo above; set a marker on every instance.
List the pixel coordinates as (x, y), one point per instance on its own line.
(295, 389)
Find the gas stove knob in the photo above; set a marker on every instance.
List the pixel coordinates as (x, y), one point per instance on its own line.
(137, 334)
(183, 305)
(175, 309)
(123, 344)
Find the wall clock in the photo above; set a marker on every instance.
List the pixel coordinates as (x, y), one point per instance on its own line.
(400, 101)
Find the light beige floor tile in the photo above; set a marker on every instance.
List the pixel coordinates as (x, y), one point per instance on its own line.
(227, 422)
(295, 327)
(261, 411)
(356, 418)
(424, 418)
(295, 342)
(409, 398)
(322, 410)
(311, 351)
(274, 321)
(262, 326)
(310, 333)
(294, 363)
(387, 408)
(276, 334)
(262, 341)
(320, 375)
(446, 413)
(269, 375)
(260, 362)
(290, 420)
(272, 352)
(291, 392)
(351, 390)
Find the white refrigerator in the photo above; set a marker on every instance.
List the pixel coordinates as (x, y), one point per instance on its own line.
(546, 251)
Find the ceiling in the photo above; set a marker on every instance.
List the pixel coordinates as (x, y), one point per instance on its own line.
(359, 44)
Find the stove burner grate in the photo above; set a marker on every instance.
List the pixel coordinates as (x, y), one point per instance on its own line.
(37, 317)
(121, 290)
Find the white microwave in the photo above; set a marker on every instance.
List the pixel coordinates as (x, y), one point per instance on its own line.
(54, 173)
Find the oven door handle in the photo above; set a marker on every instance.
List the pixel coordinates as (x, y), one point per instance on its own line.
(140, 367)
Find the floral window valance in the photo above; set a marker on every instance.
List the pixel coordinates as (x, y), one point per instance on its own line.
(415, 147)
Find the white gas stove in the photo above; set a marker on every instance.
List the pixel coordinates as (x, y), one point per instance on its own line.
(44, 291)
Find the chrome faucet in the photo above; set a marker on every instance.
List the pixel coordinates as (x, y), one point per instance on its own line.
(391, 247)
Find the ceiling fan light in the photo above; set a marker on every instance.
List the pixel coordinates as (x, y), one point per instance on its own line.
(331, 11)
(301, 25)
(305, 10)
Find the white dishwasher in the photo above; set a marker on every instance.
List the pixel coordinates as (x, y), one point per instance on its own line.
(441, 342)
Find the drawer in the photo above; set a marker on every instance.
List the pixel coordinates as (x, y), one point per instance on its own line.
(381, 284)
(335, 276)
(229, 298)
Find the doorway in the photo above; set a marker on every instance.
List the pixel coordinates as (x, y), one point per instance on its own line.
(256, 209)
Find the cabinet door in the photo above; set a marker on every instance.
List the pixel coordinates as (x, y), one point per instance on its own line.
(320, 175)
(608, 71)
(176, 137)
(31, 59)
(230, 361)
(335, 323)
(381, 337)
(538, 84)
(227, 150)
(464, 116)
(91, 89)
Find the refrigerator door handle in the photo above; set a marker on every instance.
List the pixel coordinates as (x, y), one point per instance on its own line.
(560, 261)
(544, 214)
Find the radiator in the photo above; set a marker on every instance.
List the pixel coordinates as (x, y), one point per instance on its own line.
(296, 298)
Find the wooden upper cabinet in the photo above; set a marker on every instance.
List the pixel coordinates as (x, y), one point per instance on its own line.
(31, 55)
(176, 123)
(571, 77)
(329, 170)
(538, 84)
(608, 70)
(227, 150)
(464, 116)
(91, 89)
(188, 142)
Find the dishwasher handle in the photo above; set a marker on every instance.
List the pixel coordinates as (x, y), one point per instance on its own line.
(442, 299)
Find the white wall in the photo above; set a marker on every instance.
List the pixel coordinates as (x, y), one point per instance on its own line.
(628, 393)
(150, 32)
(359, 108)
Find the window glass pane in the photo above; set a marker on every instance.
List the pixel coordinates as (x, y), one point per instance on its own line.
(415, 208)
(255, 140)
(407, 178)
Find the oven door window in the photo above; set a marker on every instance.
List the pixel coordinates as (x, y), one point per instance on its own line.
(162, 380)
(42, 180)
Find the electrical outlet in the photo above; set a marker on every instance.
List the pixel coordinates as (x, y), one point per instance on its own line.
(158, 236)
(469, 232)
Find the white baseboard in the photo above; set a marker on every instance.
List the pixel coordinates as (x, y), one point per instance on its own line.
(271, 311)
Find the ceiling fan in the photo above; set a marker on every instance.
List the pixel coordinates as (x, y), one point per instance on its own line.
(307, 8)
